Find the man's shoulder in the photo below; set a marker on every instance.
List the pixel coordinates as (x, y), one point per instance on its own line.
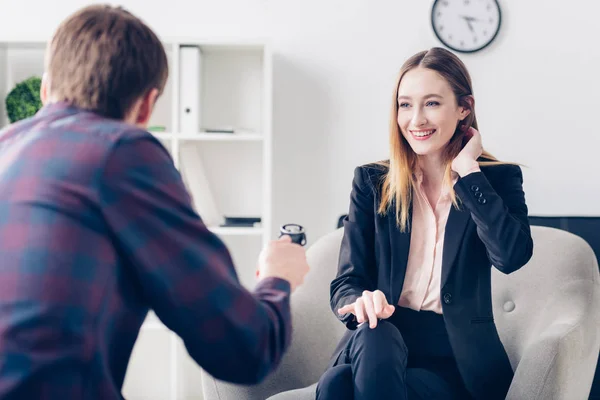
(80, 126)
(105, 129)
(82, 141)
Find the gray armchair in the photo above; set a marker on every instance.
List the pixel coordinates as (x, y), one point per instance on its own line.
(547, 314)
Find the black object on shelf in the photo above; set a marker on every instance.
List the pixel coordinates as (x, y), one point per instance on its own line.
(241, 221)
(219, 130)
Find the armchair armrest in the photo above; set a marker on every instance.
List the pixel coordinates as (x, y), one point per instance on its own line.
(559, 364)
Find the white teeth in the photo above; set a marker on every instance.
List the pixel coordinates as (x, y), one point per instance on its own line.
(423, 133)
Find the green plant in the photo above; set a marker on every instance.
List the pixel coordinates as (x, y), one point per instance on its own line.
(24, 100)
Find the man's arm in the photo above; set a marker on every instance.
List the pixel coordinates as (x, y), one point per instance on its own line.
(186, 272)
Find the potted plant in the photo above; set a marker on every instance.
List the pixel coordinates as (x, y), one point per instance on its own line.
(24, 100)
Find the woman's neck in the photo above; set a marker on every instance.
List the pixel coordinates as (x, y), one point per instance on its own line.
(433, 169)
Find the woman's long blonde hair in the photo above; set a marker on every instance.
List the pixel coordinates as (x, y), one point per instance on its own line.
(398, 182)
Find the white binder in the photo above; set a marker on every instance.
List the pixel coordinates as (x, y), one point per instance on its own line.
(190, 64)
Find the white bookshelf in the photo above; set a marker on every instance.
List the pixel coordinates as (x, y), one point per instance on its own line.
(235, 79)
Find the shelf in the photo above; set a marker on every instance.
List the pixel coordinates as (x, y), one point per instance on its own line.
(225, 137)
(221, 230)
(24, 44)
(214, 137)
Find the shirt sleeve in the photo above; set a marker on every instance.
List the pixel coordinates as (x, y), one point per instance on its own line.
(185, 272)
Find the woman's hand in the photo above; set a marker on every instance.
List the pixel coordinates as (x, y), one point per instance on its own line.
(466, 161)
(370, 306)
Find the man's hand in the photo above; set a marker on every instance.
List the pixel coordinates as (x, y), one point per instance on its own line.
(283, 259)
(370, 307)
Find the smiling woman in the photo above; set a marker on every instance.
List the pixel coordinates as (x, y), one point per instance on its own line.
(427, 111)
(423, 231)
(432, 118)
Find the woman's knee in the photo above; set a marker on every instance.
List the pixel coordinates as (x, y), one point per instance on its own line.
(385, 338)
(384, 331)
(336, 383)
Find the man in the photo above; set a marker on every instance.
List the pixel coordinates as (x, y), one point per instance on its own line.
(96, 228)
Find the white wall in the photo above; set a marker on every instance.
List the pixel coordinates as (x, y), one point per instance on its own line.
(536, 88)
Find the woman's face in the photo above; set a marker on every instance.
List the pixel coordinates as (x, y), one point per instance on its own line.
(428, 113)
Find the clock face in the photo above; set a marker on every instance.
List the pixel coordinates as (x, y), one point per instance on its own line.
(466, 26)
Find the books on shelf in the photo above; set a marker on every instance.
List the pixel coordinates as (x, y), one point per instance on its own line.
(194, 176)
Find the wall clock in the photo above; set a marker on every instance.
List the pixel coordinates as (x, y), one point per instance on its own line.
(466, 26)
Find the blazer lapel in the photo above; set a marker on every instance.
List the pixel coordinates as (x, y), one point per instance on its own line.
(455, 230)
(399, 248)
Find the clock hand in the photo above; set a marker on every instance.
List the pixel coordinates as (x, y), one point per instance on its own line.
(469, 18)
(468, 21)
(470, 26)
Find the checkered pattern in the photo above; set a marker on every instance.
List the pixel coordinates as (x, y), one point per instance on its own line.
(96, 228)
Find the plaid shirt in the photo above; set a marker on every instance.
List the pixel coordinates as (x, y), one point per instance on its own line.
(96, 228)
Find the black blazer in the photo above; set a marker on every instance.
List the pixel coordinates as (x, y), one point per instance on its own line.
(490, 229)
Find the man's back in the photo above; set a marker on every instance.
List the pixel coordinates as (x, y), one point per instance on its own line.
(64, 313)
(95, 228)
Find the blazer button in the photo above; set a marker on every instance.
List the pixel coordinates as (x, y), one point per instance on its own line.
(478, 194)
(447, 298)
(474, 188)
(481, 200)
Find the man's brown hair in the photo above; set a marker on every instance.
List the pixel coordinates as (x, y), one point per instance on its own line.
(103, 59)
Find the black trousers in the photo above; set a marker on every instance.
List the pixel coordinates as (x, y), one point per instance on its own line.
(406, 357)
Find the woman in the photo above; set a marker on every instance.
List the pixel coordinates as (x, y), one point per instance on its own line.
(422, 234)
